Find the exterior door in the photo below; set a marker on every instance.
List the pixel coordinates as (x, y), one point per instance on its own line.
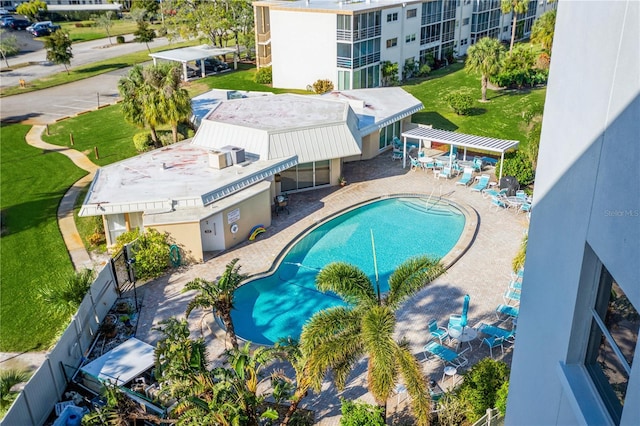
(212, 233)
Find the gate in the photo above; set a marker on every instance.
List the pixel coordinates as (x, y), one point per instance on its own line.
(123, 270)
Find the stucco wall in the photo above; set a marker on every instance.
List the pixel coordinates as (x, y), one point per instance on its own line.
(253, 211)
(187, 237)
(586, 192)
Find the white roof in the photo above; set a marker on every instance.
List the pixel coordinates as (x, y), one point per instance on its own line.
(460, 139)
(323, 6)
(83, 7)
(202, 104)
(123, 363)
(172, 178)
(311, 127)
(186, 54)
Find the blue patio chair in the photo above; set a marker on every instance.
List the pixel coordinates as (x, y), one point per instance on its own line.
(491, 330)
(511, 296)
(467, 175)
(493, 342)
(477, 164)
(499, 202)
(491, 192)
(504, 312)
(415, 164)
(482, 183)
(440, 332)
(525, 208)
(444, 354)
(515, 285)
(521, 195)
(517, 275)
(455, 321)
(397, 154)
(445, 173)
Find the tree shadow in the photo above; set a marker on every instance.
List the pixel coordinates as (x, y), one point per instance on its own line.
(102, 67)
(18, 118)
(476, 111)
(435, 119)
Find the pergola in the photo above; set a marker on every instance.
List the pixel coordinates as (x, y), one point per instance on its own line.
(190, 54)
(457, 139)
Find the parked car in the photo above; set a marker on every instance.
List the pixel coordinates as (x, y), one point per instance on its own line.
(47, 25)
(5, 20)
(18, 24)
(212, 65)
(40, 32)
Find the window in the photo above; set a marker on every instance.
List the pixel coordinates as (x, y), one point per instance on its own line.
(412, 13)
(612, 340)
(505, 29)
(410, 38)
(465, 21)
(464, 41)
(392, 42)
(392, 17)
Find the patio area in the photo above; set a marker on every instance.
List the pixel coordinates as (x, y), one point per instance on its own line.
(483, 272)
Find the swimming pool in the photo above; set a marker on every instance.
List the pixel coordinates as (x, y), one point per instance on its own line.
(277, 305)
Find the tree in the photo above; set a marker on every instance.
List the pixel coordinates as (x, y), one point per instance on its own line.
(105, 22)
(144, 34)
(218, 296)
(516, 7)
(58, 47)
(334, 339)
(544, 29)
(66, 299)
(480, 387)
(485, 58)
(290, 350)
(8, 379)
(8, 45)
(389, 72)
(173, 100)
(31, 9)
(151, 7)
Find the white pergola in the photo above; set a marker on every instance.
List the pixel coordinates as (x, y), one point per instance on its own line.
(422, 133)
(190, 54)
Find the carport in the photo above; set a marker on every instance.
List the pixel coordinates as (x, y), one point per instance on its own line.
(189, 54)
(422, 134)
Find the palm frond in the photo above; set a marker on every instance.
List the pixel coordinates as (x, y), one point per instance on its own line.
(348, 281)
(410, 277)
(416, 384)
(326, 324)
(377, 334)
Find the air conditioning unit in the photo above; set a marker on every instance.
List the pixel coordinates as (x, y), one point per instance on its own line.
(237, 155)
(218, 160)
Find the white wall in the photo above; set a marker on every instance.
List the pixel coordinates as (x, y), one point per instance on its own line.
(587, 192)
(303, 48)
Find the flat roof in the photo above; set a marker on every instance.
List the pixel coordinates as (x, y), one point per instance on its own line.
(123, 363)
(187, 54)
(342, 7)
(460, 139)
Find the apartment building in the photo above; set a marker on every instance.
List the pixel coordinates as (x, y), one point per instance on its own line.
(346, 41)
(576, 359)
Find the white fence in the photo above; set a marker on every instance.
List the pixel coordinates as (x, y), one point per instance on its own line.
(44, 389)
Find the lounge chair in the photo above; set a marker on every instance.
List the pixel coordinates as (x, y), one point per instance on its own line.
(493, 342)
(491, 192)
(445, 173)
(446, 355)
(397, 154)
(515, 285)
(525, 207)
(440, 333)
(492, 330)
(415, 163)
(482, 183)
(511, 296)
(505, 311)
(499, 202)
(467, 175)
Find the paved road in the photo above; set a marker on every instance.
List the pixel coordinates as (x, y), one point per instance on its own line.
(48, 105)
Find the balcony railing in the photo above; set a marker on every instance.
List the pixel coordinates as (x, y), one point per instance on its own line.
(264, 38)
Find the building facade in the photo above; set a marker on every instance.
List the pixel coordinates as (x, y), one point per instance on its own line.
(347, 41)
(577, 358)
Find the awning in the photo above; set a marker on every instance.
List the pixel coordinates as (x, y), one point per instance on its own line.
(423, 133)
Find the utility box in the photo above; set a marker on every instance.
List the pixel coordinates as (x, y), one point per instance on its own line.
(237, 155)
(218, 160)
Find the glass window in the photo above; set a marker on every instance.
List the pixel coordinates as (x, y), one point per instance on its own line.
(392, 17)
(117, 226)
(323, 174)
(392, 42)
(612, 342)
(465, 21)
(412, 13)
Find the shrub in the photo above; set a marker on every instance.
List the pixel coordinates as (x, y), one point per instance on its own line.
(501, 398)
(120, 39)
(96, 239)
(185, 130)
(460, 102)
(142, 141)
(322, 86)
(360, 414)
(450, 410)
(424, 70)
(264, 76)
(166, 138)
(66, 298)
(519, 166)
(124, 239)
(151, 253)
(480, 386)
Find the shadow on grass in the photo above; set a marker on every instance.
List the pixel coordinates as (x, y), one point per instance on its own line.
(18, 118)
(435, 119)
(476, 111)
(103, 67)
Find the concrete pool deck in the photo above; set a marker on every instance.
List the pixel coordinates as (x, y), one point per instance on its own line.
(483, 271)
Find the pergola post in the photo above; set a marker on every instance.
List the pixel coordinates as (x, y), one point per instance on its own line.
(155, 62)
(501, 161)
(404, 152)
(184, 71)
(450, 155)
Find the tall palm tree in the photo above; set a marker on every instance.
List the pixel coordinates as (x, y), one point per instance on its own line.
(485, 58)
(544, 29)
(174, 99)
(218, 296)
(290, 350)
(137, 107)
(516, 7)
(336, 338)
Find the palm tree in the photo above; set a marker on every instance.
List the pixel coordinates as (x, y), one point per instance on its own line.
(544, 29)
(485, 57)
(290, 350)
(137, 108)
(218, 296)
(174, 99)
(337, 337)
(516, 7)
(8, 379)
(65, 299)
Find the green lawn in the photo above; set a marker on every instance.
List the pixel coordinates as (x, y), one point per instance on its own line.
(501, 117)
(94, 32)
(33, 252)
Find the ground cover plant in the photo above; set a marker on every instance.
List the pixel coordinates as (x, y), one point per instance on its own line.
(33, 251)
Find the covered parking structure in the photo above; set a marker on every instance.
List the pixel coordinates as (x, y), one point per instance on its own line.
(191, 54)
(423, 133)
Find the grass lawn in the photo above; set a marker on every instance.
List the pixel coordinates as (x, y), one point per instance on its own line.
(104, 128)
(33, 252)
(90, 70)
(500, 118)
(94, 32)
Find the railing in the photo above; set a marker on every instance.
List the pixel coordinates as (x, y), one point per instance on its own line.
(491, 418)
(264, 38)
(263, 61)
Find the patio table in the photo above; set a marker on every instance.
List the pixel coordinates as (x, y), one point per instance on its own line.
(463, 335)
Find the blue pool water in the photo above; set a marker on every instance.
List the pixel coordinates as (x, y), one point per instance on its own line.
(278, 305)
